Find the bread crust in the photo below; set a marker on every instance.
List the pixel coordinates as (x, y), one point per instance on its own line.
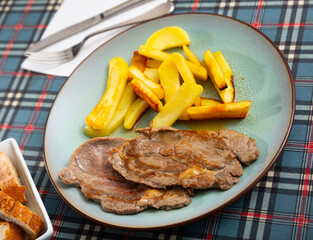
(13, 211)
(11, 231)
(10, 182)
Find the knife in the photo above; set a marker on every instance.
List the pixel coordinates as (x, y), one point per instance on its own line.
(83, 25)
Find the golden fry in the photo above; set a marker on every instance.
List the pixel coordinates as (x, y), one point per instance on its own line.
(135, 111)
(154, 87)
(215, 72)
(169, 78)
(103, 112)
(198, 70)
(190, 55)
(153, 53)
(151, 63)
(184, 97)
(185, 72)
(126, 101)
(227, 94)
(225, 110)
(146, 94)
(209, 102)
(153, 74)
(168, 37)
(138, 61)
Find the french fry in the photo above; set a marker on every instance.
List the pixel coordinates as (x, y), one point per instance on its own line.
(138, 107)
(209, 102)
(146, 94)
(153, 53)
(221, 111)
(153, 74)
(184, 116)
(138, 61)
(185, 72)
(227, 94)
(103, 112)
(190, 55)
(169, 78)
(126, 101)
(151, 63)
(204, 102)
(215, 72)
(198, 70)
(154, 87)
(183, 68)
(184, 97)
(168, 37)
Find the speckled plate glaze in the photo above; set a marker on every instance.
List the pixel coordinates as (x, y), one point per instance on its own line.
(261, 75)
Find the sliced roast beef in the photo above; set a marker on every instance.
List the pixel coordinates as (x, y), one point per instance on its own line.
(166, 157)
(90, 170)
(242, 145)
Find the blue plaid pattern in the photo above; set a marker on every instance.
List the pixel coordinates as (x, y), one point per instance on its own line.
(280, 206)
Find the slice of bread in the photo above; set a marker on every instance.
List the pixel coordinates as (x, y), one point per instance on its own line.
(13, 211)
(10, 231)
(10, 182)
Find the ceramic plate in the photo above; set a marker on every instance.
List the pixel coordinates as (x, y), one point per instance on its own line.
(261, 75)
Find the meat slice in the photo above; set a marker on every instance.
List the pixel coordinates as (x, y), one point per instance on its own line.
(242, 145)
(90, 170)
(166, 157)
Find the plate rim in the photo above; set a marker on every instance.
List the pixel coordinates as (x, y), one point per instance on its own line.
(223, 205)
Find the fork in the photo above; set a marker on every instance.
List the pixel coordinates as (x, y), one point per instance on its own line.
(51, 58)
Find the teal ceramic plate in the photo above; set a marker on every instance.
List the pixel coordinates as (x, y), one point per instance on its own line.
(261, 75)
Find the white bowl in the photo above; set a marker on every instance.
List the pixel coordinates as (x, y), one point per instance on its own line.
(11, 148)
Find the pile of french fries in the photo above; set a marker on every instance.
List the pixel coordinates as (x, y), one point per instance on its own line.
(167, 83)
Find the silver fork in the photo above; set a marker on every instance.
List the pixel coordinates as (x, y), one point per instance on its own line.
(51, 58)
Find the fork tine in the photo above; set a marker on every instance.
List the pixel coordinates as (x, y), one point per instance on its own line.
(49, 61)
(49, 54)
(53, 62)
(50, 57)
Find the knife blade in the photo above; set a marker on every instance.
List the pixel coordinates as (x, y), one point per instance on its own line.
(83, 25)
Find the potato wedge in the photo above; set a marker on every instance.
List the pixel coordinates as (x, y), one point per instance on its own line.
(215, 72)
(183, 68)
(185, 72)
(168, 37)
(153, 53)
(184, 116)
(169, 78)
(138, 107)
(127, 99)
(151, 63)
(198, 70)
(146, 94)
(154, 87)
(103, 112)
(184, 97)
(209, 102)
(153, 74)
(221, 111)
(138, 61)
(204, 102)
(227, 94)
(190, 55)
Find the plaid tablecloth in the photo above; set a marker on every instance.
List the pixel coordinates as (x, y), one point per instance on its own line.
(279, 207)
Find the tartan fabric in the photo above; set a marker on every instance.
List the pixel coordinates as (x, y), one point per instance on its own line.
(279, 207)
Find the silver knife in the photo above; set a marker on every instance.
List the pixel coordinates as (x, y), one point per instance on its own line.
(78, 27)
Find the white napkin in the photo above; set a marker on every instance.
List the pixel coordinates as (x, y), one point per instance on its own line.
(73, 11)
